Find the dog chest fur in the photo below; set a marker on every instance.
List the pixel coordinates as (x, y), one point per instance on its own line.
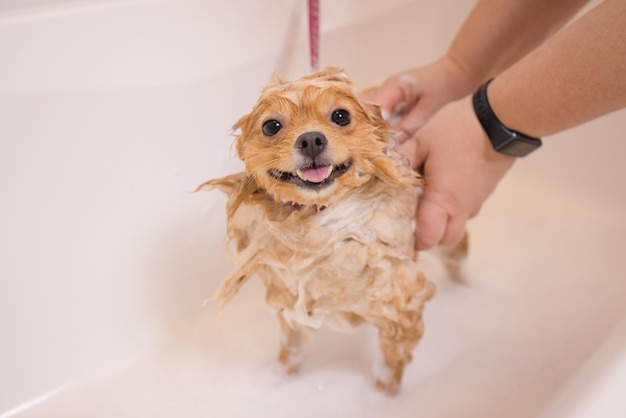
(351, 261)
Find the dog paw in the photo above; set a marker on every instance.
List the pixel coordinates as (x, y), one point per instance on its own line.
(455, 270)
(390, 387)
(292, 368)
(386, 379)
(290, 360)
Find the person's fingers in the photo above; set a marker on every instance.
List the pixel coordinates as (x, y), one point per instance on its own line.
(412, 151)
(396, 96)
(436, 227)
(454, 231)
(412, 122)
(432, 221)
(390, 97)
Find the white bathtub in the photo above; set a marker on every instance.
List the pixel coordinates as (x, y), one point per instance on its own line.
(111, 112)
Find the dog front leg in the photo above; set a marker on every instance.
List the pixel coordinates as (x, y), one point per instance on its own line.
(397, 341)
(291, 341)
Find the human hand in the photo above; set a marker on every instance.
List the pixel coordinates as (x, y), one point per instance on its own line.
(461, 169)
(408, 99)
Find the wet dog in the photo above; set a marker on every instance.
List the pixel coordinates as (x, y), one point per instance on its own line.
(324, 216)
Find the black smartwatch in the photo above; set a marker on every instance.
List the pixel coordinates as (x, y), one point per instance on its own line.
(503, 139)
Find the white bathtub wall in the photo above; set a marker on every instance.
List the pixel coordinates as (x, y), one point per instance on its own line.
(101, 44)
(111, 112)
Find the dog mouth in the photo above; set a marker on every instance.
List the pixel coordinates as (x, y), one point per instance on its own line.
(313, 177)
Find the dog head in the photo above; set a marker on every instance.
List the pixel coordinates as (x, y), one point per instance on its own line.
(311, 140)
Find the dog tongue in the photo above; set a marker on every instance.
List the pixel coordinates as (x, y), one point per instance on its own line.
(315, 175)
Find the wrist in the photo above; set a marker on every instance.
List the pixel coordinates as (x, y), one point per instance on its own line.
(481, 141)
(460, 78)
(469, 76)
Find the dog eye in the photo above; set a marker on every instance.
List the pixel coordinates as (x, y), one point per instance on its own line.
(340, 117)
(271, 127)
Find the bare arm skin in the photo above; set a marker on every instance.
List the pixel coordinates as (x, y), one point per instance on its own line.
(578, 75)
(496, 34)
(574, 76)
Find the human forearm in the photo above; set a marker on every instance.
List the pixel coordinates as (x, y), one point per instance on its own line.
(497, 33)
(578, 75)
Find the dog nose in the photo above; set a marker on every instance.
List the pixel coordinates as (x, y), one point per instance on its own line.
(311, 144)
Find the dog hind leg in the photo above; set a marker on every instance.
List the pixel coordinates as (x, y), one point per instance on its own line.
(290, 355)
(453, 257)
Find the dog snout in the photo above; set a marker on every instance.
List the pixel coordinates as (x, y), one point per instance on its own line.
(311, 144)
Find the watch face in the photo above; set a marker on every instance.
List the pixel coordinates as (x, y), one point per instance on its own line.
(519, 146)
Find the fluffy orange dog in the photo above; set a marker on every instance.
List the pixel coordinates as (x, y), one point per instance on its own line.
(324, 216)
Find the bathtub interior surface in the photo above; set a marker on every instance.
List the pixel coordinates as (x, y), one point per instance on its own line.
(544, 289)
(110, 255)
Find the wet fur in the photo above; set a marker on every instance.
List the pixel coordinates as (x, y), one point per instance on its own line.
(341, 255)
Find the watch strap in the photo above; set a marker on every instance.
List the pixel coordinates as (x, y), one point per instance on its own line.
(503, 139)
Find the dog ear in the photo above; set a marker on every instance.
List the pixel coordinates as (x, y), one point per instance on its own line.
(373, 113)
(276, 80)
(335, 74)
(242, 126)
